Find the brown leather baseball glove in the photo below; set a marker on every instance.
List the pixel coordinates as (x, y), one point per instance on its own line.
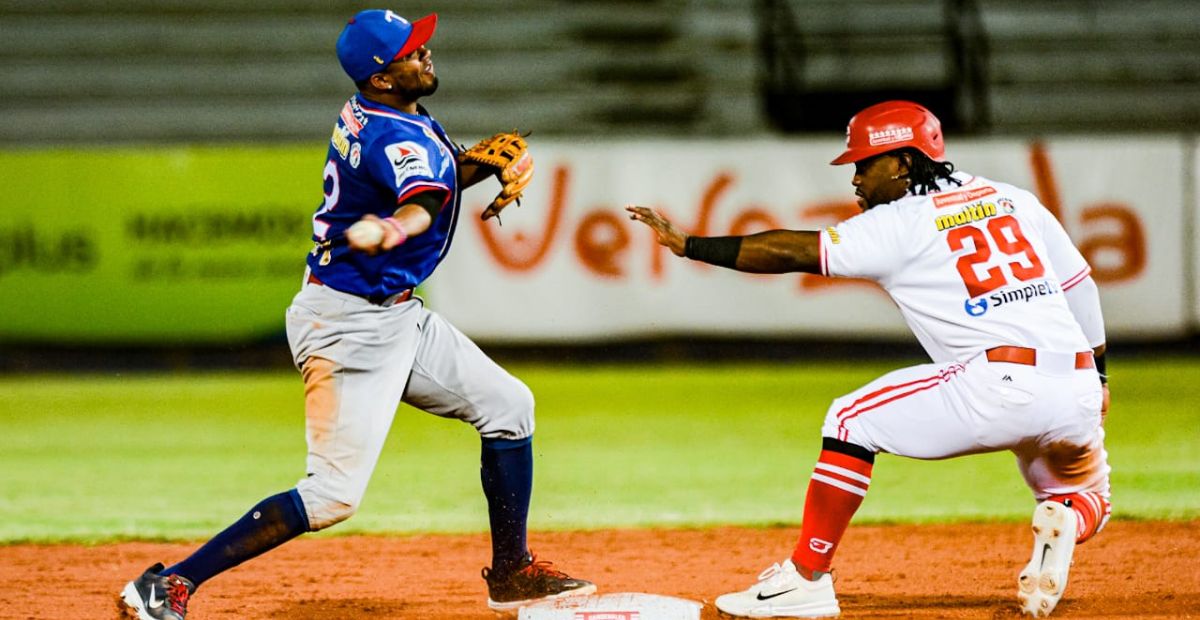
(509, 154)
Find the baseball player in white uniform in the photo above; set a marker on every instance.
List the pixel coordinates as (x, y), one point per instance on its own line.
(1002, 302)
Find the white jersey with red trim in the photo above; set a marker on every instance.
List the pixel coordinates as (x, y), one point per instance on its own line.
(971, 267)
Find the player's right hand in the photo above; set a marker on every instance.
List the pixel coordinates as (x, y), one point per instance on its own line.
(1104, 405)
(668, 235)
(373, 234)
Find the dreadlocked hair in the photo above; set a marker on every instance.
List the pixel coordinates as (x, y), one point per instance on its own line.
(924, 173)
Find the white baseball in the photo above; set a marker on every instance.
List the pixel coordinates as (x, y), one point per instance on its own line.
(365, 234)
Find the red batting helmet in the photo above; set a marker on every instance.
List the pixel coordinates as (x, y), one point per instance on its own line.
(889, 126)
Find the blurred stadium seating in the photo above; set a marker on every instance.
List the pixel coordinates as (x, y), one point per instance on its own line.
(122, 71)
(143, 70)
(987, 65)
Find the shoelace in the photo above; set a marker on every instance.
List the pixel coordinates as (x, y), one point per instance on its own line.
(177, 595)
(543, 568)
(772, 575)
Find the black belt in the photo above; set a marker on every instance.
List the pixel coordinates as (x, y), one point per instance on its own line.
(378, 300)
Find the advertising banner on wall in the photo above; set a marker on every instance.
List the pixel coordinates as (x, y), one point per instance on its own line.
(203, 245)
(1192, 192)
(160, 246)
(570, 265)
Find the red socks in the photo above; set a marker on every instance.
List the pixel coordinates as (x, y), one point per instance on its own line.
(837, 488)
(1091, 508)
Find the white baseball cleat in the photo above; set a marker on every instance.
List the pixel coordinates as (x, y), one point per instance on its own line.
(1042, 583)
(781, 592)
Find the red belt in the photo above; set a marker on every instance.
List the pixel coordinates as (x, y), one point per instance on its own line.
(378, 300)
(1028, 357)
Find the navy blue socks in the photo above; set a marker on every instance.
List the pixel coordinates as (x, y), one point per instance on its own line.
(506, 470)
(271, 523)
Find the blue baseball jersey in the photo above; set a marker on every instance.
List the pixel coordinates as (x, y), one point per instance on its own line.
(379, 158)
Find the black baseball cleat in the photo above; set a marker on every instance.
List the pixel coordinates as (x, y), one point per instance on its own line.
(154, 596)
(534, 580)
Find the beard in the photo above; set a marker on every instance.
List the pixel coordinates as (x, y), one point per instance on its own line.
(423, 90)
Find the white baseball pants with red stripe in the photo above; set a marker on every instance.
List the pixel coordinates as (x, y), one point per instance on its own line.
(1048, 415)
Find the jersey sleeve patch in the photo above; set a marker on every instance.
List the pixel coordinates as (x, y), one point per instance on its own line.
(830, 235)
(350, 119)
(408, 159)
(869, 245)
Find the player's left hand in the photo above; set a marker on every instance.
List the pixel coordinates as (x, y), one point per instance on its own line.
(508, 154)
(668, 235)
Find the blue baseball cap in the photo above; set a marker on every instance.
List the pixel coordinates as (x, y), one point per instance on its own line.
(374, 38)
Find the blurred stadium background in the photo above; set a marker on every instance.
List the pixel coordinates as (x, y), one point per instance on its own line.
(171, 71)
(117, 111)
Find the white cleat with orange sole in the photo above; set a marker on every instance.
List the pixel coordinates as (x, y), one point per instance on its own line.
(781, 592)
(1042, 582)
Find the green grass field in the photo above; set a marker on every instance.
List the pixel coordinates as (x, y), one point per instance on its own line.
(104, 457)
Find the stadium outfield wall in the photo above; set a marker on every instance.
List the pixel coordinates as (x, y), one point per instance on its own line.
(204, 245)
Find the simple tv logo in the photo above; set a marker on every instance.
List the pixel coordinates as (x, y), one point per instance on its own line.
(976, 308)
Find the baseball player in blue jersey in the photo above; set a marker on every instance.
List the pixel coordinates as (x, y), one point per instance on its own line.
(363, 343)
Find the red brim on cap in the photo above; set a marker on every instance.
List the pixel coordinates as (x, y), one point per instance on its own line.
(853, 155)
(856, 155)
(422, 31)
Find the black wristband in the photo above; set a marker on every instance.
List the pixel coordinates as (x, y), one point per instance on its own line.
(1102, 368)
(720, 251)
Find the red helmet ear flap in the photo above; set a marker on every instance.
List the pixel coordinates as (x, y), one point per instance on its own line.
(889, 126)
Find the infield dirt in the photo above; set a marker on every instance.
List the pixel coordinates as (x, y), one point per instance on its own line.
(1133, 569)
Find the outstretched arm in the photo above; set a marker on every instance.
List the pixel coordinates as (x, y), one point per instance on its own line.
(774, 251)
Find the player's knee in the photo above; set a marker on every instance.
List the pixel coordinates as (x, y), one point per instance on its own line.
(332, 513)
(838, 426)
(518, 399)
(509, 412)
(325, 509)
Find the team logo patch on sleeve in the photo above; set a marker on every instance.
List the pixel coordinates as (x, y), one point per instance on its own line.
(408, 159)
(340, 140)
(353, 118)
